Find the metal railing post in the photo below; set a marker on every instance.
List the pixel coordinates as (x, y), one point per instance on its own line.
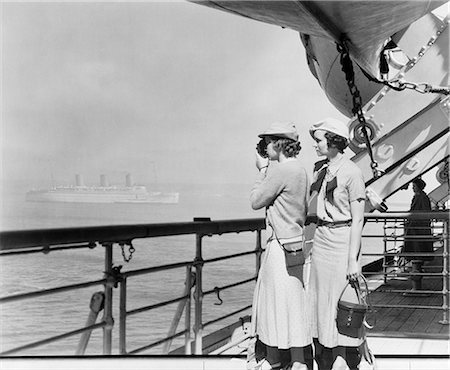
(384, 252)
(123, 317)
(445, 275)
(198, 296)
(187, 312)
(258, 250)
(107, 313)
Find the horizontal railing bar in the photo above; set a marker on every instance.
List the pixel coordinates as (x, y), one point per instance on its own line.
(434, 238)
(117, 233)
(156, 305)
(46, 250)
(432, 215)
(415, 335)
(407, 306)
(395, 266)
(408, 237)
(424, 274)
(53, 339)
(149, 270)
(437, 222)
(154, 344)
(242, 282)
(226, 316)
(221, 258)
(39, 293)
(399, 254)
(418, 292)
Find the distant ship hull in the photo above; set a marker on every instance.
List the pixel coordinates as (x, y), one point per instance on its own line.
(83, 194)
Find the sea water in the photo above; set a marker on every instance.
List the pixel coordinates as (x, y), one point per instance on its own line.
(35, 319)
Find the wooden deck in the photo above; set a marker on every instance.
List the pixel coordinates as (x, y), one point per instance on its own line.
(411, 322)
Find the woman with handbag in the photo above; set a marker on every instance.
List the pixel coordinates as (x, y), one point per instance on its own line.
(279, 316)
(340, 195)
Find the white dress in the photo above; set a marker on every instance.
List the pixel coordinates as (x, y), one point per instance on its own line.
(280, 311)
(329, 257)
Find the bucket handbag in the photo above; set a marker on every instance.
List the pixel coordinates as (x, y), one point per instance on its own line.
(351, 317)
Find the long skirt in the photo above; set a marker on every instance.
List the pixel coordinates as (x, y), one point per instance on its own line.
(329, 262)
(418, 240)
(280, 312)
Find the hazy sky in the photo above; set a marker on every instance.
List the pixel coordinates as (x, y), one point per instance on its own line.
(116, 87)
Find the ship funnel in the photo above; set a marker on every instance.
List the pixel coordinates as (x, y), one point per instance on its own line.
(79, 180)
(128, 180)
(103, 181)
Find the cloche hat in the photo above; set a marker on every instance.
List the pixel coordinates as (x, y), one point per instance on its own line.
(419, 182)
(281, 129)
(331, 125)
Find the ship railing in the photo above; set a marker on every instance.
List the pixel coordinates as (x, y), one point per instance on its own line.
(396, 263)
(109, 237)
(50, 240)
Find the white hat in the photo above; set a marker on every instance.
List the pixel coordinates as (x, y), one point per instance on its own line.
(281, 129)
(331, 125)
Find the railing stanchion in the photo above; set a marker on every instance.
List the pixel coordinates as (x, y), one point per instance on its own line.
(198, 296)
(258, 250)
(385, 251)
(187, 312)
(445, 274)
(108, 317)
(123, 317)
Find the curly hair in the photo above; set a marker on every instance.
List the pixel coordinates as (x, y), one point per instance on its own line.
(288, 147)
(336, 141)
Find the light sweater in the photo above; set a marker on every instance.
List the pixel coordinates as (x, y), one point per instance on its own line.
(283, 190)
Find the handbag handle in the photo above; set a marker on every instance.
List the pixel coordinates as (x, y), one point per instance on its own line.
(355, 285)
(366, 301)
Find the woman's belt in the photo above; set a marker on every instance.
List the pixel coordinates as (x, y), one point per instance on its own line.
(334, 224)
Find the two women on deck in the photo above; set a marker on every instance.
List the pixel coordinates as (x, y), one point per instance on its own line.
(297, 291)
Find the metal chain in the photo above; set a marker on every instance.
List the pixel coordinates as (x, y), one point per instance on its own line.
(423, 87)
(347, 68)
(131, 250)
(398, 84)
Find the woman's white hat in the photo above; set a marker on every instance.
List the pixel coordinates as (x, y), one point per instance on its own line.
(281, 129)
(331, 125)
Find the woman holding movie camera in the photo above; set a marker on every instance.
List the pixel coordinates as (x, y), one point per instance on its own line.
(279, 317)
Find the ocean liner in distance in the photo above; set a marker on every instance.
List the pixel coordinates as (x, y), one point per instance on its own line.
(104, 193)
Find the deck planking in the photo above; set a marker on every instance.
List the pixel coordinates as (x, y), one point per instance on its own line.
(412, 321)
